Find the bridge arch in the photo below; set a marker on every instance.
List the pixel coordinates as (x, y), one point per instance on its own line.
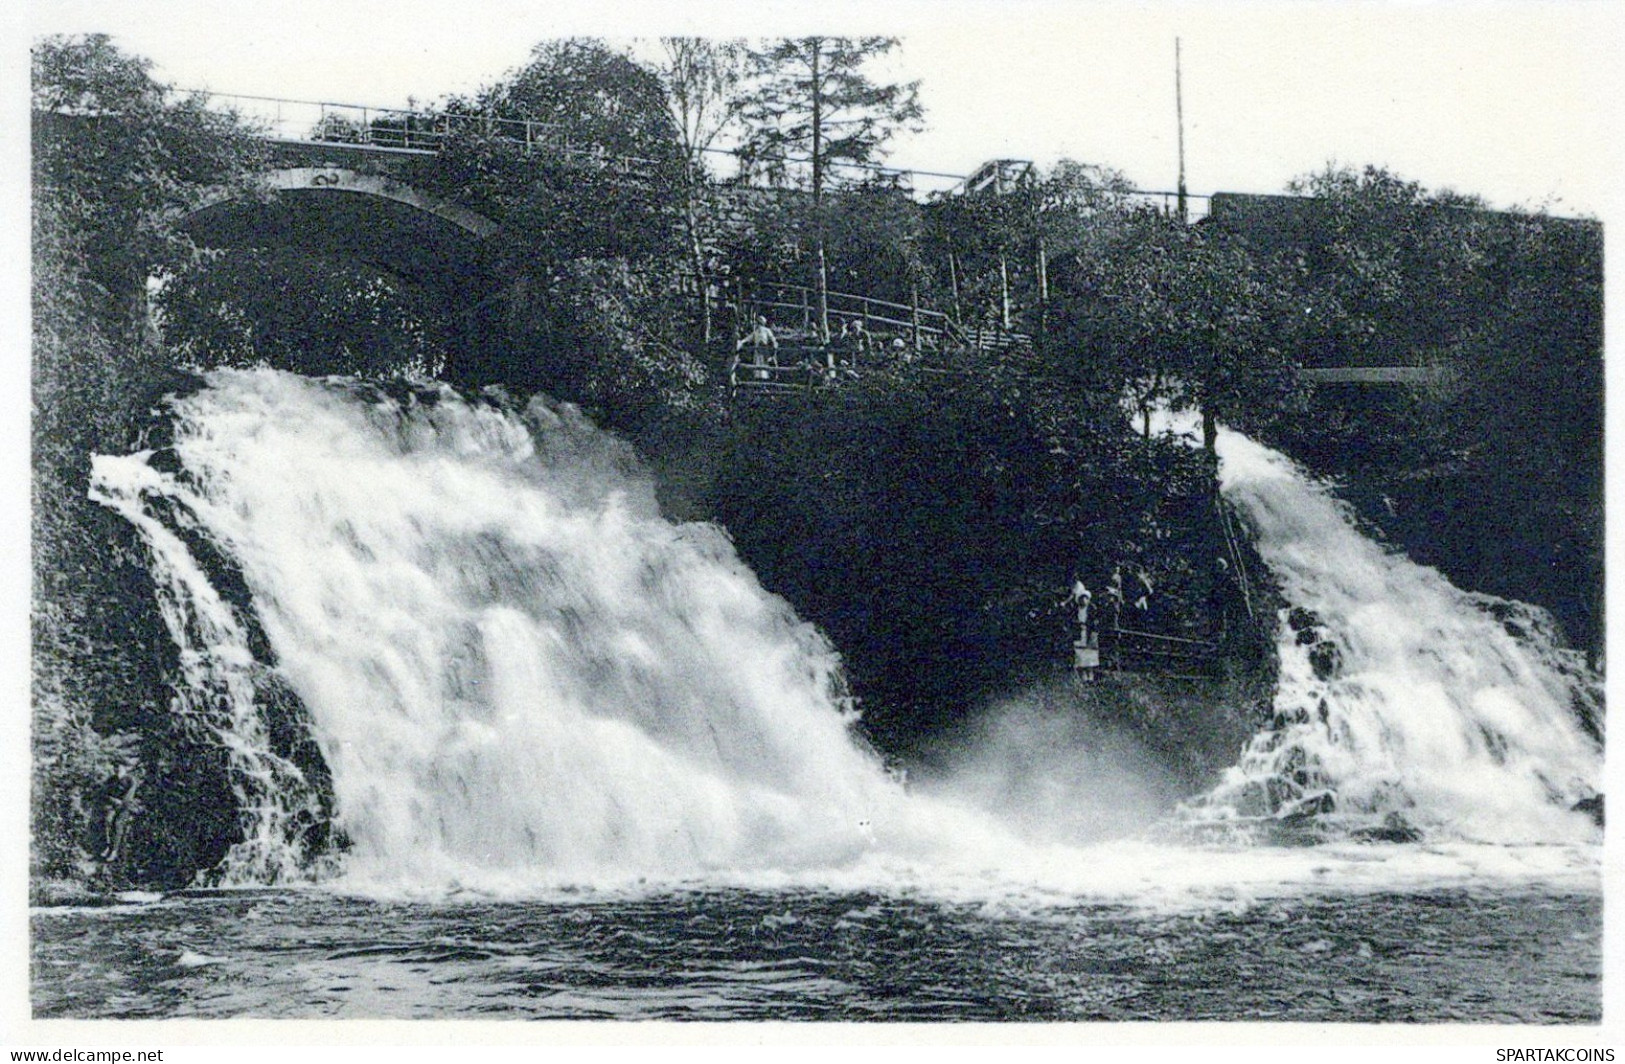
(370, 218)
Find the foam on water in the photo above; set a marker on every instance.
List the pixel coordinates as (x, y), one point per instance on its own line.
(521, 678)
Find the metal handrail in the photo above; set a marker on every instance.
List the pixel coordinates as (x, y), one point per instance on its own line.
(532, 125)
(929, 322)
(342, 123)
(1204, 644)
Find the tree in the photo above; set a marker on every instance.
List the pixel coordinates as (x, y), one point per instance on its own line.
(121, 154)
(874, 233)
(580, 95)
(998, 241)
(931, 522)
(701, 79)
(1401, 266)
(1527, 413)
(1178, 317)
(574, 153)
(116, 157)
(1494, 473)
(814, 117)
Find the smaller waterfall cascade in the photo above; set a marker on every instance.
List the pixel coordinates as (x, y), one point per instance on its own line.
(1405, 706)
(222, 691)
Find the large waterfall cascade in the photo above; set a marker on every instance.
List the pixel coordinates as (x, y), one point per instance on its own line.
(515, 669)
(511, 661)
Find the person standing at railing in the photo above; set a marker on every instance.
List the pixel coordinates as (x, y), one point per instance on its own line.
(862, 342)
(764, 347)
(1086, 648)
(840, 355)
(1114, 596)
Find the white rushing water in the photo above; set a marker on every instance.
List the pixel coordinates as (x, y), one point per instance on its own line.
(1451, 714)
(520, 675)
(516, 668)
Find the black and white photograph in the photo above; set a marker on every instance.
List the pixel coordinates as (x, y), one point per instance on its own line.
(1052, 519)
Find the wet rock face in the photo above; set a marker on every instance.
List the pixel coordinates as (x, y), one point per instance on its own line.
(1324, 656)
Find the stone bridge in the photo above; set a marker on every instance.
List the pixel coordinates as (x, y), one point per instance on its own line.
(373, 218)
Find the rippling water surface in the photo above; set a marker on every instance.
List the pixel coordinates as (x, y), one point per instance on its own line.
(1521, 955)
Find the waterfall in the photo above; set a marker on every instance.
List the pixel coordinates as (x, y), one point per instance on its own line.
(513, 665)
(222, 692)
(1405, 706)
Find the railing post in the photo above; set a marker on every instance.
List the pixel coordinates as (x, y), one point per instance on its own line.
(914, 311)
(1004, 290)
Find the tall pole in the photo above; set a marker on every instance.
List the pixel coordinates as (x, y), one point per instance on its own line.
(1179, 112)
(816, 44)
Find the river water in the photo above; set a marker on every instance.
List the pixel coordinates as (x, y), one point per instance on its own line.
(582, 766)
(1469, 954)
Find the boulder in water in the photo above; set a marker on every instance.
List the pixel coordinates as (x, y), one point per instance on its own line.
(1394, 828)
(1325, 659)
(1299, 619)
(1312, 805)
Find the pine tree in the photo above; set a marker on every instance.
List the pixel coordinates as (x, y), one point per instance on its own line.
(816, 120)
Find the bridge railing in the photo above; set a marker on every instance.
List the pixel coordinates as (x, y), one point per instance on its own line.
(406, 129)
(794, 370)
(414, 129)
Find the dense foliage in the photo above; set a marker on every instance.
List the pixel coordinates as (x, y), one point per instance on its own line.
(574, 153)
(933, 523)
(816, 120)
(1495, 473)
(118, 153)
(1181, 317)
(991, 248)
(300, 311)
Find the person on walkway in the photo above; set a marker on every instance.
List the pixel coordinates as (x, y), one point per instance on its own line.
(1086, 648)
(764, 347)
(1142, 580)
(862, 343)
(1082, 597)
(121, 807)
(1114, 594)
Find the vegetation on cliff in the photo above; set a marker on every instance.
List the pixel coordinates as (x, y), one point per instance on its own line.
(1494, 473)
(114, 155)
